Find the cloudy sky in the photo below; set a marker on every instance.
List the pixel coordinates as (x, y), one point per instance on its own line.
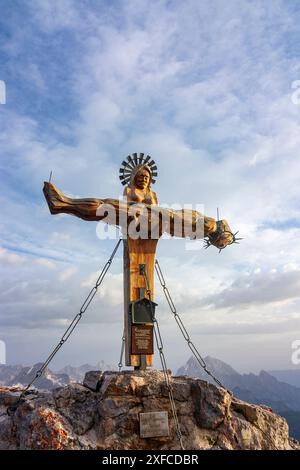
(208, 89)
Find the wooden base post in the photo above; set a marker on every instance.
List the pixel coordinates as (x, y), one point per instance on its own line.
(137, 252)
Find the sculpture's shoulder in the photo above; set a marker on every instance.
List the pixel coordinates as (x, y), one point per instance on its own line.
(154, 198)
(129, 194)
(126, 191)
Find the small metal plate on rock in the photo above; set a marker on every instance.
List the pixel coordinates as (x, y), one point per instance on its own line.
(154, 424)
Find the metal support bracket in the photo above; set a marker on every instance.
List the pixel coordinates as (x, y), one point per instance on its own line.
(142, 269)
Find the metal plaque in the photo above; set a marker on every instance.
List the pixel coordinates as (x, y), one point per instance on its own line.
(154, 424)
(142, 339)
(142, 311)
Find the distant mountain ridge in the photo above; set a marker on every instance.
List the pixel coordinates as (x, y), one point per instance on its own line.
(22, 376)
(289, 376)
(7, 373)
(262, 388)
(77, 373)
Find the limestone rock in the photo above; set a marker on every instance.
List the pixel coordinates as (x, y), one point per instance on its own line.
(92, 380)
(103, 413)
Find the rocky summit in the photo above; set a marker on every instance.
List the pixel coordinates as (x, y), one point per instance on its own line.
(104, 413)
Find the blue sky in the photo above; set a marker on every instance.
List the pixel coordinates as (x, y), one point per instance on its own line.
(205, 87)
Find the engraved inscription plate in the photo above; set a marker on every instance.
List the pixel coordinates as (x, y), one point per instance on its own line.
(154, 424)
(142, 339)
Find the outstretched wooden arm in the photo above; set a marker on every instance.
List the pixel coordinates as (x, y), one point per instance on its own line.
(179, 223)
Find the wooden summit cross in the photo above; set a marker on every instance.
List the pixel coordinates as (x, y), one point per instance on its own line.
(142, 222)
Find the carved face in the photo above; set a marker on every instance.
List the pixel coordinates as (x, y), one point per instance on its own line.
(142, 179)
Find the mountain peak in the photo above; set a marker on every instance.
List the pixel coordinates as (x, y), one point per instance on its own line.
(216, 366)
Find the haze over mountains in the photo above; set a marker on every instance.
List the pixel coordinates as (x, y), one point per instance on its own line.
(278, 389)
(19, 375)
(290, 376)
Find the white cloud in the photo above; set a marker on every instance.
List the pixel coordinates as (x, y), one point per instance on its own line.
(111, 290)
(258, 288)
(46, 262)
(206, 91)
(67, 273)
(54, 15)
(10, 258)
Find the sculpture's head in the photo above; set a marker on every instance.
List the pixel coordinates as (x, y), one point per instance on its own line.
(141, 177)
(138, 171)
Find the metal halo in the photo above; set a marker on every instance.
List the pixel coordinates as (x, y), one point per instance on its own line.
(131, 162)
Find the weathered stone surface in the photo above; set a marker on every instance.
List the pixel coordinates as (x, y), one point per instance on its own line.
(211, 404)
(77, 403)
(104, 414)
(93, 379)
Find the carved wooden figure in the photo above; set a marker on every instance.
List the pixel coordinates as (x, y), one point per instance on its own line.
(143, 222)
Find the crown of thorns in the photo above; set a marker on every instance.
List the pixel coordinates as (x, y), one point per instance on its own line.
(218, 234)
